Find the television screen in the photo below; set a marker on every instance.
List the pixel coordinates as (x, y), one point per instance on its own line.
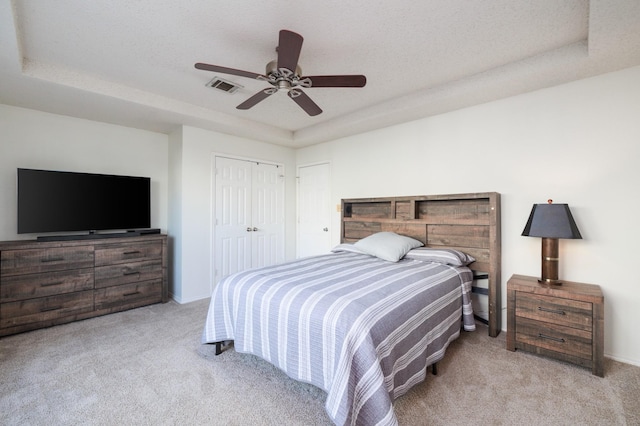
(52, 201)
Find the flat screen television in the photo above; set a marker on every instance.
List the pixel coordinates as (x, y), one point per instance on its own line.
(55, 201)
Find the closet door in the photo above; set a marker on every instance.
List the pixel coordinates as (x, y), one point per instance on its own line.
(249, 215)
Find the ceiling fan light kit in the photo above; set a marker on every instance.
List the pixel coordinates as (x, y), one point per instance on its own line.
(284, 74)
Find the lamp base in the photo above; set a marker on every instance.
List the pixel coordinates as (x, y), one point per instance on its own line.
(550, 260)
(549, 282)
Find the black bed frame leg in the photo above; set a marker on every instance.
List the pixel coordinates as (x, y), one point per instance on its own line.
(434, 369)
(218, 348)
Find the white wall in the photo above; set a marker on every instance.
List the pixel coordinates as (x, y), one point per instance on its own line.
(33, 139)
(578, 144)
(193, 175)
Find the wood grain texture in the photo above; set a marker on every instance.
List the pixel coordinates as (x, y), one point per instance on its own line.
(20, 287)
(127, 296)
(33, 311)
(38, 260)
(564, 322)
(125, 273)
(54, 282)
(127, 252)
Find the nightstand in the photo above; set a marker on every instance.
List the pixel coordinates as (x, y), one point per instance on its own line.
(565, 322)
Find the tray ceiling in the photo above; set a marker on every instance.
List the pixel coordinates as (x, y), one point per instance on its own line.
(132, 63)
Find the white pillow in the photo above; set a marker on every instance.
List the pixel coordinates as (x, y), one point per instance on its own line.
(346, 247)
(387, 245)
(447, 256)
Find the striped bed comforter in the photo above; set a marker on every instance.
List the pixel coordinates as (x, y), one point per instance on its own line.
(360, 328)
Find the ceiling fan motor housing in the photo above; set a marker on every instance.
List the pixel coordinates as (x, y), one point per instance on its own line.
(283, 78)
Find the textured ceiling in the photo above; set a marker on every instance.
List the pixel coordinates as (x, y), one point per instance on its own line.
(131, 62)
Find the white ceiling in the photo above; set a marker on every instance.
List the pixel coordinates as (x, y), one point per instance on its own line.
(131, 62)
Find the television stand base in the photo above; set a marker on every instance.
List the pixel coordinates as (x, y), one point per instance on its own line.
(95, 236)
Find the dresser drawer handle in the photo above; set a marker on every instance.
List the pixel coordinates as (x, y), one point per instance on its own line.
(125, 273)
(50, 309)
(52, 259)
(51, 284)
(131, 294)
(556, 339)
(553, 311)
(132, 252)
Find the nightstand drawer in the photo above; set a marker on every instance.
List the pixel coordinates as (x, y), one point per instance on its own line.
(45, 308)
(125, 253)
(23, 287)
(33, 261)
(564, 321)
(124, 273)
(566, 340)
(128, 296)
(555, 310)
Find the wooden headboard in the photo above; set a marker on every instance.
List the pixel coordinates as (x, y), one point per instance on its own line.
(466, 222)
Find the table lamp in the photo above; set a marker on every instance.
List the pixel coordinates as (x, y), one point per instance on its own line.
(551, 222)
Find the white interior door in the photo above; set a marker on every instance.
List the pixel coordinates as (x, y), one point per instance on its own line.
(267, 215)
(314, 210)
(249, 215)
(232, 240)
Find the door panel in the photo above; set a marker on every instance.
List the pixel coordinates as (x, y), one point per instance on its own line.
(314, 210)
(249, 212)
(268, 215)
(232, 207)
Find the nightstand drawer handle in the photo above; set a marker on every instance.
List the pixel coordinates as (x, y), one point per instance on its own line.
(557, 339)
(553, 311)
(51, 284)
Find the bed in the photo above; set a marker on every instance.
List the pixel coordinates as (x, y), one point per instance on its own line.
(364, 321)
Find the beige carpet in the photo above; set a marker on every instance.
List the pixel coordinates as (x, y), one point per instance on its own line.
(147, 366)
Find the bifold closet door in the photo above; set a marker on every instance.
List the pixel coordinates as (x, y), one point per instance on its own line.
(249, 215)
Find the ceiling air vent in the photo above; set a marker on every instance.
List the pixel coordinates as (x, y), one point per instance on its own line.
(222, 84)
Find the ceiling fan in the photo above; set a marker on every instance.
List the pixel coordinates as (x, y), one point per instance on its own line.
(285, 74)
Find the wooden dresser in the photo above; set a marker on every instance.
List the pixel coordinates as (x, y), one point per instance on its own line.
(48, 283)
(565, 322)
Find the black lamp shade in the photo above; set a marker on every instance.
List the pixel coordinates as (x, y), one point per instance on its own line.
(551, 221)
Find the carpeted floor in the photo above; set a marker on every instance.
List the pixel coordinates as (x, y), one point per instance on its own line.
(147, 366)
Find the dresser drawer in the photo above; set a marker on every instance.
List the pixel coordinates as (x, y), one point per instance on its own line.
(125, 253)
(128, 273)
(45, 308)
(565, 340)
(18, 262)
(127, 296)
(21, 287)
(555, 310)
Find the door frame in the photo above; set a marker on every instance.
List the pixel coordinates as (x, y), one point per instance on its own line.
(212, 205)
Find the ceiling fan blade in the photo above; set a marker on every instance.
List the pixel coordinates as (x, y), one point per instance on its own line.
(232, 71)
(289, 47)
(337, 80)
(258, 97)
(304, 101)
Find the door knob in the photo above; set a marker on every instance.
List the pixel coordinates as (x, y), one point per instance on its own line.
(255, 229)
(325, 229)
(248, 229)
